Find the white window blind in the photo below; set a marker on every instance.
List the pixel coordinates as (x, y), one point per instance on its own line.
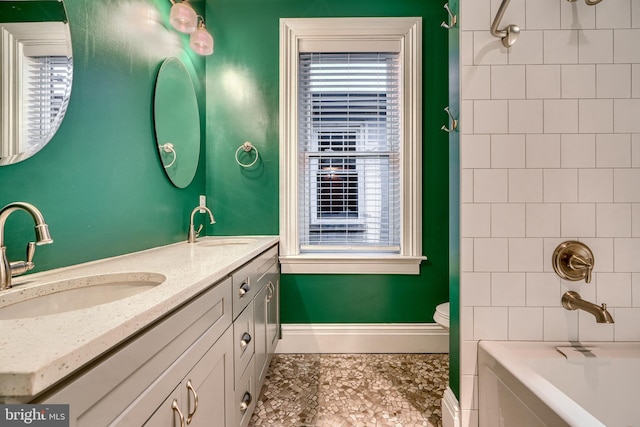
(349, 152)
(47, 80)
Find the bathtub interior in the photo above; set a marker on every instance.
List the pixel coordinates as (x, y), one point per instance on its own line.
(534, 384)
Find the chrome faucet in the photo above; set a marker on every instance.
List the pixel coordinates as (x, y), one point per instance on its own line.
(573, 301)
(193, 234)
(10, 269)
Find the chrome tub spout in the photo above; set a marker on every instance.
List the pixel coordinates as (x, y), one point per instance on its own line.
(573, 301)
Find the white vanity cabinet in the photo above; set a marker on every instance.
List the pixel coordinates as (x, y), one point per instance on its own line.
(203, 364)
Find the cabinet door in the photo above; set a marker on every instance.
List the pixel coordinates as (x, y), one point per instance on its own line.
(169, 414)
(208, 389)
(273, 315)
(260, 312)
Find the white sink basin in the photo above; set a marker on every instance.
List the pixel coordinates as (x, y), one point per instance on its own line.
(74, 294)
(230, 241)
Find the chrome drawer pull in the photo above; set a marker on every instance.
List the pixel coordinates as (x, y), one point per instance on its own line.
(195, 401)
(244, 288)
(176, 408)
(246, 339)
(246, 401)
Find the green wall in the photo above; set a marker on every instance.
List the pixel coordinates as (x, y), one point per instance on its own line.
(242, 105)
(99, 182)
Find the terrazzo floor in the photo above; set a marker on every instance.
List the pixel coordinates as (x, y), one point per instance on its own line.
(359, 390)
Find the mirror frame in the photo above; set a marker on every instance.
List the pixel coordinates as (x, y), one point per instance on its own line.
(177, 122)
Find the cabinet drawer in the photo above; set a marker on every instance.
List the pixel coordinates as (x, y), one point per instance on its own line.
(103, 390)
(245, 397)
(248, 280)
(243, 341)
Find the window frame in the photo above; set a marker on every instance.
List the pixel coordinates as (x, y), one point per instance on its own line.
(403, 34)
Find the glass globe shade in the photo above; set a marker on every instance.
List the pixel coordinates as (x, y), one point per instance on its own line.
(201, 41)
(183, 17)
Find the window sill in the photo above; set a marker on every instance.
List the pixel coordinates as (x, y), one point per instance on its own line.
(350, 264)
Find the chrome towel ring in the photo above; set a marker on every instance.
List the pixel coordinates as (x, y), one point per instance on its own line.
(247, 147)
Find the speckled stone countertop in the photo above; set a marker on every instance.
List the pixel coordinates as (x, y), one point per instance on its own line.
(37, 352)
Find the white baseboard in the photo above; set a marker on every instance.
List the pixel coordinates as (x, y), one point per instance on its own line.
(450, 409)
(364, 338)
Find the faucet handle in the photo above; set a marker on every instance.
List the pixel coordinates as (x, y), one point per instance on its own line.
(21, 267)
(199, 230)
(579, 263)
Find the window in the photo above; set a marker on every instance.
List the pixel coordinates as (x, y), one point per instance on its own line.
(350, 145)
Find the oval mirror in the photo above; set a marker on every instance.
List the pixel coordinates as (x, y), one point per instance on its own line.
(36, 65)
(177, 122)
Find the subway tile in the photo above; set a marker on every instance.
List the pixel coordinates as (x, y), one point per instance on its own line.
(613, 80)
(579, 81)
(595, 185)
(613, 220)
(526, 323)
(469, 397)
(465, 122)
(576, 16)
(475, 152)
(466, 254)
(635, 151)
(578, 150)
(475, 220)
(466, 186)
(476, 289)
(595, 115)
(525, 185)
(490, 116)
(625, 185)
(549, 245)
(595, 46)
(490, 323)
(490, 186)
(507, 82)
(507, 220)
(625, 46)
(507, 289)
(603, 252)
(515, 13)
(466, 48)
(543, 151)
(635, 79)
(625, 115)
(475, 15)
(526, 255)
(487, 49)
(589, 330)
(468, 358)
(543, 14)
(578, 219)
(613, 150)
(528, 50)
(614, 14)
(635, 292)
(475, 82)
(626, 255)
(466, 323)
(560, 185)
(508, 151)
(614, 289)
(543, 81)
(635, 220)
(560, 324)
(626, 326)
(560, 46)
(542, 289)
(542, 220)
(635, 14)
(525, 116)
(560, 116)
(491, 255)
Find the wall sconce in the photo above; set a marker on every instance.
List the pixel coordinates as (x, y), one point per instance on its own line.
(185, 19)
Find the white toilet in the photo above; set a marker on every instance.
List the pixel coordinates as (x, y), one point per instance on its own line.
(441, 316)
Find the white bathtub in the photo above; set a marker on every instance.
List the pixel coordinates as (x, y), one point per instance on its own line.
(526, 384)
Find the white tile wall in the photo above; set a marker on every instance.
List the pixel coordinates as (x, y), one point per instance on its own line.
(550, 151)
